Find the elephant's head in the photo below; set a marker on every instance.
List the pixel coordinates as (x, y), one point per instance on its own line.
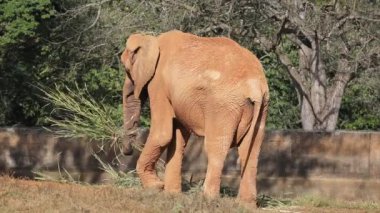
(140, 58)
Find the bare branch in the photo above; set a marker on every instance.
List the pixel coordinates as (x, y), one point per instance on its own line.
(338, 25)
(80, 9)
(343, 21)
(215, 27)
(265, 43)
(188, 7)
(95, 20)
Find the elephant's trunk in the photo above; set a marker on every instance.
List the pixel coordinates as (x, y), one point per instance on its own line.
(131, 111)
(131, 116)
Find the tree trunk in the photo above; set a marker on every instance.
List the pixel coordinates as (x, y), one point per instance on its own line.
(307, 117)
(324, 111)
(320, 102)
(327, 122)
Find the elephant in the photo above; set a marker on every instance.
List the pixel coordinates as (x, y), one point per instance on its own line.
(210, 87)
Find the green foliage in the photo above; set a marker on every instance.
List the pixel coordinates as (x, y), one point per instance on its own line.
(77, 43)
(20, 19)
(21, 35)
(360, 105)
(292, 52)
(283, 109)
(105, 84)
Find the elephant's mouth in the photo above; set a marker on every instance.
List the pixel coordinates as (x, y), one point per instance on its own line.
(129, 140)
(127, 149)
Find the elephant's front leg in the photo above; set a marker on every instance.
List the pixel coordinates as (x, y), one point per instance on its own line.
(159, 137)
(174, 160)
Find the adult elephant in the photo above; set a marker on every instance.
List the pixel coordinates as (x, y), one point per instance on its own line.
(208, 86)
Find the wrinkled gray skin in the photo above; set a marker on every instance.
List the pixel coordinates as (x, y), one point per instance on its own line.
(131, 115)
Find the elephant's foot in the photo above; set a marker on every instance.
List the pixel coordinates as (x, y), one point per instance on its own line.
(150, 180)
(248, 199)
(248, 205)
(173, 189)
(172, 182)
(247, 190)
(154, 185)
(211, 190)
(212, 195)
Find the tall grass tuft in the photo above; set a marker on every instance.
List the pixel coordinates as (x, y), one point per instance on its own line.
(77, 114)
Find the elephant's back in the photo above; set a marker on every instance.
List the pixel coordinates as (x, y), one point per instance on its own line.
(198, 54)
(205, 74)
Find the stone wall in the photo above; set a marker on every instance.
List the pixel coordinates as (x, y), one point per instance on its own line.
(339, 164)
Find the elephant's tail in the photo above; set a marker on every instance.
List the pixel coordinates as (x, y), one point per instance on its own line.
(256, 132)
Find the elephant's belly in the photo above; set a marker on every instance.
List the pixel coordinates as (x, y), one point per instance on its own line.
(191, 115)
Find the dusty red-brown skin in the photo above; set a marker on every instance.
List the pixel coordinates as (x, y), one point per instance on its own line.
(208, 86)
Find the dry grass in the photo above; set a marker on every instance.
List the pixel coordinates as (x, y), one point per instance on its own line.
(326, 202)
(46, 196)
(49, 196)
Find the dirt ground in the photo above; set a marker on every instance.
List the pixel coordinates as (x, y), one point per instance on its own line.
(42, 196)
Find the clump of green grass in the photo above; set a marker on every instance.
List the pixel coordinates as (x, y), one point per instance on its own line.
(190, 187)
(77, 114)
(228, 192)
(265, 201)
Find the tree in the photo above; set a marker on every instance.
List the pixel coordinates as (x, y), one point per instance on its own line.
(20, 51)
(322, 45)
(64, 42)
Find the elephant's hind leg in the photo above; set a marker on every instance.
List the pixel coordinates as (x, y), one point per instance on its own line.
(174, 159)
(249, 150)
(219, 134)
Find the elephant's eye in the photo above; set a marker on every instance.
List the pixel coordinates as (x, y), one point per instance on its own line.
(133, 58)
(132, 55)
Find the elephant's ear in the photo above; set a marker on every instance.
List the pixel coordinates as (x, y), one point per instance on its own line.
(143, 55)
